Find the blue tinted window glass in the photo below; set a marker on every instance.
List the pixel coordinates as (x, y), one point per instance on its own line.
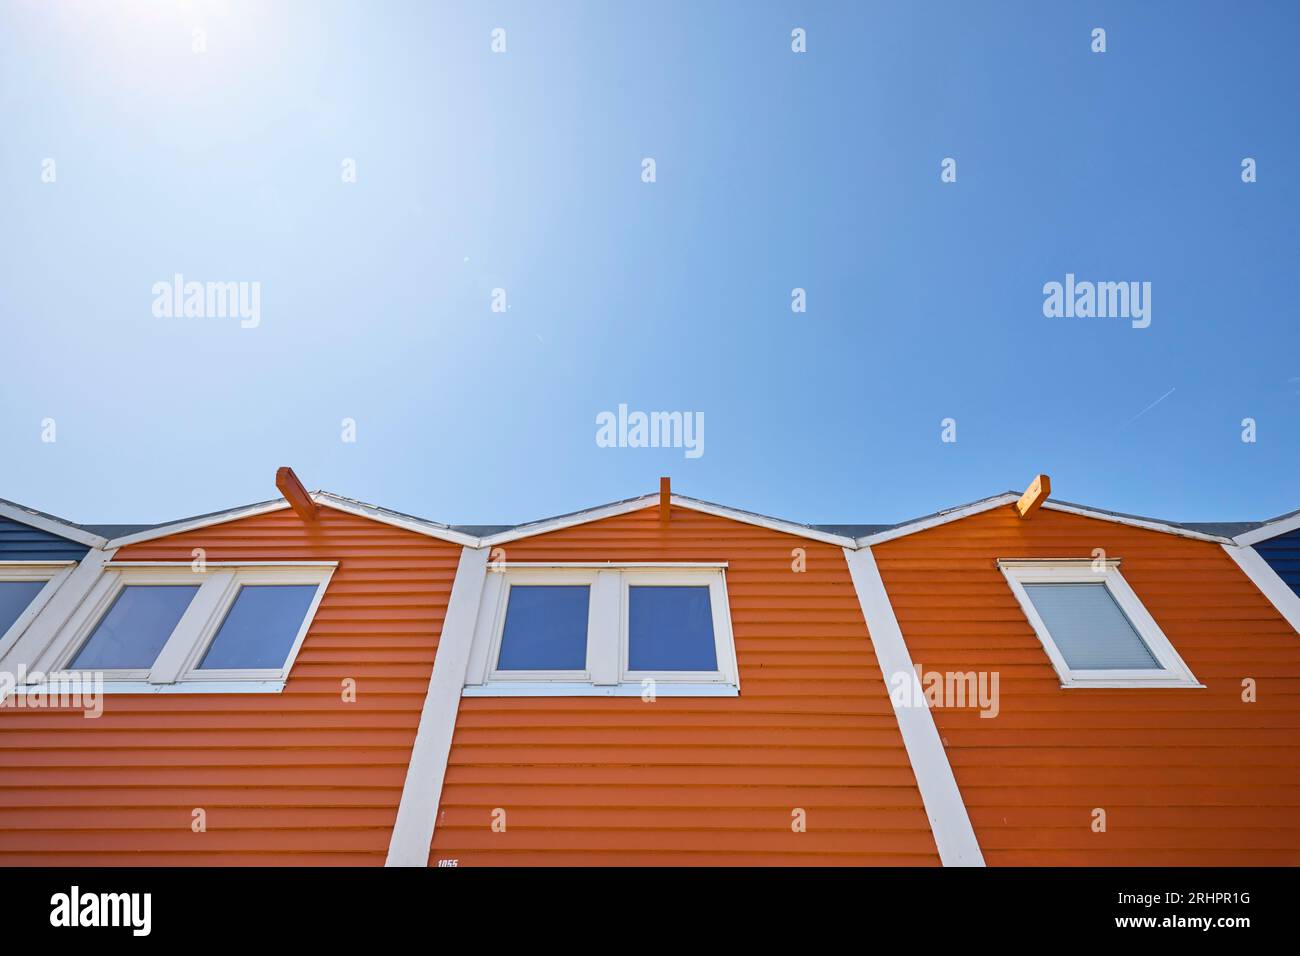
(15, 597)
(670, 629)
(546, 628)
(135, 628)
(260, 628)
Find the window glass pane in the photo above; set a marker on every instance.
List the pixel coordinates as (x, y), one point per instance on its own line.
(670, 629)
(135, 628)
(260, 628)
(1089, 627)
(15, 596)
(546, 628)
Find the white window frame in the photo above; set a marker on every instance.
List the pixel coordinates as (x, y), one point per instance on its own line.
(607, 673)
(502, 600)
(176, 669)
(1173, 671)
(53, 573)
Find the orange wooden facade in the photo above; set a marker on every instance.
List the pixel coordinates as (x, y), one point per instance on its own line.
(297, 778)
(682, 781)
(1186, 776)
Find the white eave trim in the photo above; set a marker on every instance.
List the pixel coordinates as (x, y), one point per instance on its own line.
(1272, 529)
(1136, 522)
(987, 504)
(193, 524)
(943, 517)
(361, 510)
(648, 501)
(1272, 586)
(323, 498)
(762, 521)
(59, 528)
(949, 822)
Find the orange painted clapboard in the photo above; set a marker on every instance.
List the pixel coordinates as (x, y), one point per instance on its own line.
(1185, 776)
(296, 778)
(680, 781)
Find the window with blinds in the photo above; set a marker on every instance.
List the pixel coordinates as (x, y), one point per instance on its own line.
(1089, 628)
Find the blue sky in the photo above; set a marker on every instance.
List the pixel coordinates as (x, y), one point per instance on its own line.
(522, 170)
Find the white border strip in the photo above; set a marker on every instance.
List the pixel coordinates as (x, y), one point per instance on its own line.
(418, 811)
(1272, 586)
(949, 822)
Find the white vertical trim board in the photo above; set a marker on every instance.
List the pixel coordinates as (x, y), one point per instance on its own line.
(949, 822)
(418, 811)
(1270, 529)
(1277, 591)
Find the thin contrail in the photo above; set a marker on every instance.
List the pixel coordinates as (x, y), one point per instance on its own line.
(1151, 406)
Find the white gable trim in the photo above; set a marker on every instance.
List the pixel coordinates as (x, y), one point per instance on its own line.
(1272, 529)
(943, 517)
(987, 504)
(648, 501)
(323, 498)
(418, 810)
(42, 523)
(600, 513)
(1136, 522)
(762, 521)
(548, 525)
(1272, 586)
(193, 524)
(949, 821)
(361, 510)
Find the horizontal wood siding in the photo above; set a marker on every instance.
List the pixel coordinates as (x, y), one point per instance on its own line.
(1186, 776)
(617, 781)
(1283, 556)
(298, 778)
(22, 542)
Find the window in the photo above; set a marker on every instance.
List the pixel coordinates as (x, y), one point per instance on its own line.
(168, 628)
(1093, 627)
(545, 628)
(670, 628)
(137, 625)
(16, 597)
(25, 587)
(260, 627)
(612, 630)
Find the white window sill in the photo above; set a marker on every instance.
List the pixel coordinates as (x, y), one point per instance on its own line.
(582, 689)
(186, 687)
(1132, 684)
